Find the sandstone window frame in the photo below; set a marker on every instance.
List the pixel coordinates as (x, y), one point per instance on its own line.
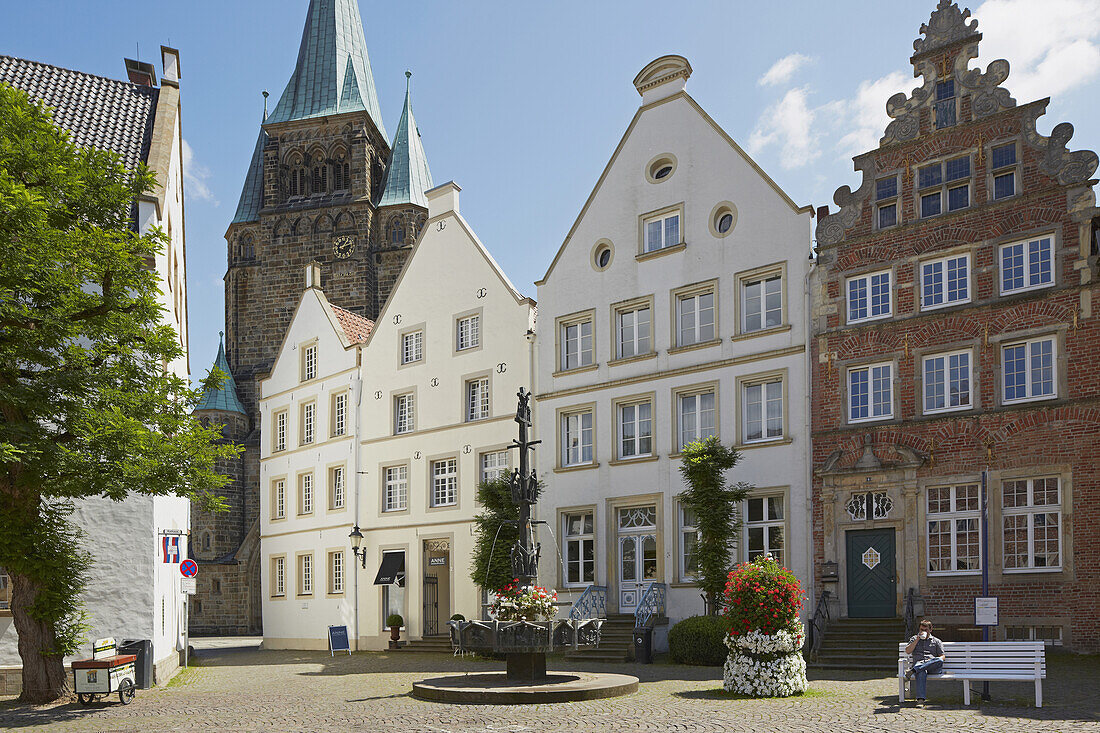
(582, 540)
(636, 403)
(968, 509)
(495, 466)
(477, 392)
(566, 449)
(469, 331)
(394, 492)
(1025, 260)
(337, 487)
(696, 392)
(669, 221)
(750, 381)
(943, 186)
(444, 482)
(338, 413)
(278, 499)
(585, 357)
(1003, 170)
(867, 292)
(887, 199)
(308, 366)
(404, 412)
(870, 368)
(336, 572)
(305, 482)
(695, 293)
(927, 279)
(304, 572)
(970, 378)
(279, 418)
(307, 422)
(411, 345)
(760, 275)
(277, 585)
(1030, 510)
(632, 307)
(767, 523)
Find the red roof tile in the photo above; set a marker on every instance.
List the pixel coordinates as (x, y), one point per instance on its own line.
(356, 327)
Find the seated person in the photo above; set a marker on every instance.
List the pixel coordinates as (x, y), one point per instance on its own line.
(927, 656)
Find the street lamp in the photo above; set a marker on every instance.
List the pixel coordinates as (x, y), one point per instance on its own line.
(356, 540)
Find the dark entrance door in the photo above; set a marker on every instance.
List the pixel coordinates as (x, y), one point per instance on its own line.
(431, 605)
(870, 566)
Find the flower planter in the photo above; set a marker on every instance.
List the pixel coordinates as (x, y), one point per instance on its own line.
(765, 665)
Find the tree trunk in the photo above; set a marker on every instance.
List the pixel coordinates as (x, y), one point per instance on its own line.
(44, 677)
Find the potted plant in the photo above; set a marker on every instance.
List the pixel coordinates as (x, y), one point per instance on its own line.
(395, 622)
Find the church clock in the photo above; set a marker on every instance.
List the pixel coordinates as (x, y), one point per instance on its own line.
(342, 247)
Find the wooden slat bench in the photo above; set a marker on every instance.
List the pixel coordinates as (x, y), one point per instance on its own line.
(991, 661)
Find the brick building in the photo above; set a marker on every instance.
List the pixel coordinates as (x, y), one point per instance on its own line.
(955, 332)
(324, 184)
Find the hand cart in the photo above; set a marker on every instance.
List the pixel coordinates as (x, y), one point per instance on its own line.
(106, 672)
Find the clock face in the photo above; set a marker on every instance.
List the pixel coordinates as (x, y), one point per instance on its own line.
(343, 246)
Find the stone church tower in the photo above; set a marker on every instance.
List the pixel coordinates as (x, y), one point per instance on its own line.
(324, 185)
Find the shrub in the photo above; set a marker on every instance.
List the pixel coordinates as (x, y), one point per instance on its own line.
(699, 640)
(763, 596)
(394, 619)
(458, 617)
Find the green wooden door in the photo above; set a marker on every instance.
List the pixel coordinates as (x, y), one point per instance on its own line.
(871, 585)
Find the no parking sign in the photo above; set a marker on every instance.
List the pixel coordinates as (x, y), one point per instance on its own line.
(188, 568)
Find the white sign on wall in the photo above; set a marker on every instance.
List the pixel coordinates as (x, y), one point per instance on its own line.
(188, 586)
(985, 611)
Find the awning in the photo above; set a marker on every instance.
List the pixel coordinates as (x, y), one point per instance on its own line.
(392, 569)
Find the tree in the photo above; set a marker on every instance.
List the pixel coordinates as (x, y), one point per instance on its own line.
(495, 531)
(716, 508)
(87, 406)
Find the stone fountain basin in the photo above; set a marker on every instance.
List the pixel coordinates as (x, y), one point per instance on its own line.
(505, 637)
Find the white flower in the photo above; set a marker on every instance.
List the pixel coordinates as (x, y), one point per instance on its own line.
(746, 673)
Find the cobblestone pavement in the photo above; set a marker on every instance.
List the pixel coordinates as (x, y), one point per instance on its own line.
(243, 689)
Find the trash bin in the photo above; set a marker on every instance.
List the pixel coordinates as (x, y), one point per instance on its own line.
(643, 645)
(143, 668)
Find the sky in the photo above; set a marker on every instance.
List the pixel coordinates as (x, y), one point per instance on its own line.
(522, 104)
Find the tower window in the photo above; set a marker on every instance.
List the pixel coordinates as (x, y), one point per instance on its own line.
(320, 178)
(341, 176)
(397, 232)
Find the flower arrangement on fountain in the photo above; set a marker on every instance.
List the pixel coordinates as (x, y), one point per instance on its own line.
(765, 639)
(515, 602)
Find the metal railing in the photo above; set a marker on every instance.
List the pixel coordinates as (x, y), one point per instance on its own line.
(591, 604)
(910, 612)
(818, 623)
(651, 604)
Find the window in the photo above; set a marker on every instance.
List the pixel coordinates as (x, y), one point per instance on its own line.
(689, 535)
(1003, 164)
(445, 482)
(661, 231)
(947, 383)
(945, 281)
(761, 303)
(341, 176)
(576, 438)
(602, 255)
(576, 344)
(305, 493)
(477, 399)
(886, 201)
(278, 576)
(636, 430)
(308, 411)
(696, 417)
(396, 489)
(1050, 635)
(309, 363)
(297, 185)
(280, 431)
(468, 333)
(412, 347)
(278, 499)
(336, 490)
(950, 180)
(954, 535)
(1032, 524)
(393, 594)
(870, 392)
(1029, 370)
(305, 575)
(1027, 265)
(869, 297)
(397, 232)
(494, 465)
(340, 414)
(320, 179)
(336, 572)
(695, 316)
(945, 104)
(764, 527)
(632, 332)
(5, 590)
(763, 406)
(404, 420)
(580, 557)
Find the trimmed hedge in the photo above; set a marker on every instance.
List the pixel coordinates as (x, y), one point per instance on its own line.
(699, 640)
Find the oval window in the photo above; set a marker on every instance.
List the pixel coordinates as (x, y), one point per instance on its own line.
(725, 222)
(603, 258)
(663, 172)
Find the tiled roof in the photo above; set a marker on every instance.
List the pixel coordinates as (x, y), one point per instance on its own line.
(407, 176)
(225, 397)
(101, 113)
(252, 195)
(333, 72)
(356, 327)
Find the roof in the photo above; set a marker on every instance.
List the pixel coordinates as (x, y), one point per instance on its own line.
(407, 175)
(333, 74)
(222, 398)
(252, 195)
(97, 112)
(355, 327)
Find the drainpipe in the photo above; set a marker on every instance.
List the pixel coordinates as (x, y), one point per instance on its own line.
(357, 392)
(808, 336)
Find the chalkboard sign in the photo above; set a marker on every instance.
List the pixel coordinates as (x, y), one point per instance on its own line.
(338, 640)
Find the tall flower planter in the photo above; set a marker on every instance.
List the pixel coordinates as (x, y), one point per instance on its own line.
(765, 665)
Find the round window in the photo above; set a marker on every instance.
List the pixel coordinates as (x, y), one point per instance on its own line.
(725, 222)
(603, 259)
(723, 219)
(602, 254)
(660, 168)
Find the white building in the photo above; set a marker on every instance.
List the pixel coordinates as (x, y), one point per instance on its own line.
(133, 593)
(430, 403)
(675, 309)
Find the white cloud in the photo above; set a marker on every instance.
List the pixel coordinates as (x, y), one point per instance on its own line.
(789, 124)
(863, 119)
(195, 175)
(783, 69)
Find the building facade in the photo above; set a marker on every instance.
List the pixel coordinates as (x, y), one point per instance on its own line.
(674, 310)
(139, 120)
(954, 350)
(389, 432)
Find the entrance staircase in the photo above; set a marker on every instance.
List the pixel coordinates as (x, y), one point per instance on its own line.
(440, 644)
(616, 641)
(861, 643)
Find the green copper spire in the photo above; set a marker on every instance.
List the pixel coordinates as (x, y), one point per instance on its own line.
(333, 72)
(223, 398)
(407, 176)
(252, 195)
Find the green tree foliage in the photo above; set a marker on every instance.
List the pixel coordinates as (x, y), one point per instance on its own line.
(496, 522)
(87, 406)
(717, 510)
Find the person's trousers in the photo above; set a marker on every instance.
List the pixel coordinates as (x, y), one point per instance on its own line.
(921, 670)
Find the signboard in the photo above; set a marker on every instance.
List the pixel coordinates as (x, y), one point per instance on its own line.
(189, 586)
(188, 568)
(170, 546)
(338, 640)
(437, 560)
(985, 611)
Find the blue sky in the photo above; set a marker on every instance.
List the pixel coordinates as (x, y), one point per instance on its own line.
(522, 104)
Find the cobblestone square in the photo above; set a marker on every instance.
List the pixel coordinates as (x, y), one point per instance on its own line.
(246, 689)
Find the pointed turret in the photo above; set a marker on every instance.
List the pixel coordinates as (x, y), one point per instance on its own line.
(407, 175)
(223, 398)
(333, 73)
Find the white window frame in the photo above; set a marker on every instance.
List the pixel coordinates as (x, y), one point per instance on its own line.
(953, 516)
(944, 263)
(404, 413)
(309, 362)
(309, 423)
(694, 334)
(280, 420)
(944, 188)
(278, 499)
(491, 466)
(337, 487)
(573, 346)
(412, 346)
(278, 573)
(763, 310)
(572, 452)
(580, 540)
(468, 332)
(698, 432)
(305, 574)
(1030, 510)
(767, 525)
(870, 369)
(685, 529)
(477, 399)
(1029, 383)
(305, 493)
(638, 344)
(335, 572)
(1025, 253)
(662, 220)
(395, 495)
(339, 414)
(638, 423)
(444, 474)
(867, 278)
(947, 382)
(764, 386)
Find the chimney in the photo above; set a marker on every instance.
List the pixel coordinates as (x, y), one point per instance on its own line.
(170, 62)
(443, 199)
(141, 73)
(313, 275)
(822, 212)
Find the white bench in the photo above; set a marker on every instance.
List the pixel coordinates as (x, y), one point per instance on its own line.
(985, 660)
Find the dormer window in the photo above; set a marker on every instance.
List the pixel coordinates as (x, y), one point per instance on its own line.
(945, 104)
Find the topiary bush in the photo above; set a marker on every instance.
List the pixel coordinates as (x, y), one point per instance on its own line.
(699, 640)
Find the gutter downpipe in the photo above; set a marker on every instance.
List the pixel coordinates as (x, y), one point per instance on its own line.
(357, 389)
(808, 324)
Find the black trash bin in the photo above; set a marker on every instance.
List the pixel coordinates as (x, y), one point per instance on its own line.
(143, 668)
(643, 645)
